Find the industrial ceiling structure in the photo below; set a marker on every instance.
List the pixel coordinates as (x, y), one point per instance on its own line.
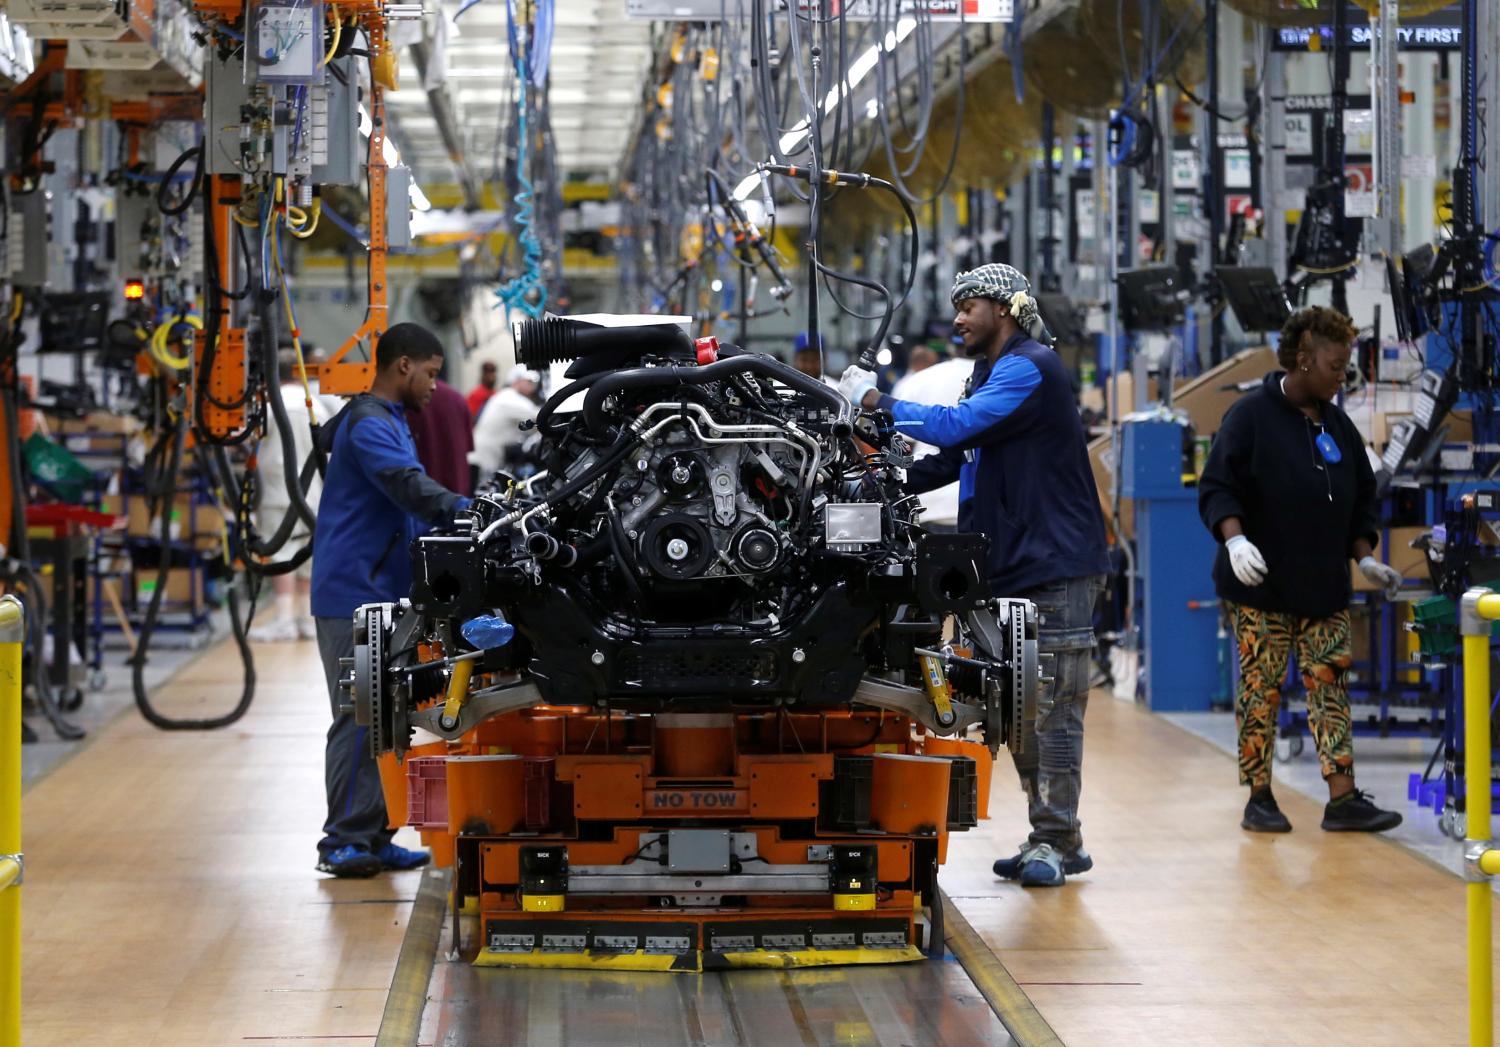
(600, 59)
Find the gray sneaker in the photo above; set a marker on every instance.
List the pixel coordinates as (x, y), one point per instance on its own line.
(1010, 868)
(1044, 869)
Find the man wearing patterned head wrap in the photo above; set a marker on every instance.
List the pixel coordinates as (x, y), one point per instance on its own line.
(1016, 446)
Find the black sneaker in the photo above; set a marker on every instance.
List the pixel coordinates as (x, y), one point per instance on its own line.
(1355, 813)
(1263, 816)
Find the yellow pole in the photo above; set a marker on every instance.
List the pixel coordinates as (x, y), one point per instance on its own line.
(1477, 821)
(12, 630)
(1477, 610)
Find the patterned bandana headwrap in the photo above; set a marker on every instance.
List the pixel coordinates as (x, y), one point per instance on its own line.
(1005, 284)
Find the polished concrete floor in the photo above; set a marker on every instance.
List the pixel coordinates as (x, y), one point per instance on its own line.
(170, 899)
(1382, 767)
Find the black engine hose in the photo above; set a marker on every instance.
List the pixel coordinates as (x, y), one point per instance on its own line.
(253, 543)
(153, 611)
(557, 399)
(650, 377)
(278, 410)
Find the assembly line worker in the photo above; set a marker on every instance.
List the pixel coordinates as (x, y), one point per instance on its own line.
(498, 432)
(1288, 491)
(376, 499)
(1017, 448)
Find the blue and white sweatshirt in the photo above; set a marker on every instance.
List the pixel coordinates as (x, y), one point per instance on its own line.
(1017, 447)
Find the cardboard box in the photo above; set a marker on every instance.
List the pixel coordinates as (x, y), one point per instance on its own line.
(1205, 400)
(98, 422)
(184, 589)
(1460, 427)
(194, 522)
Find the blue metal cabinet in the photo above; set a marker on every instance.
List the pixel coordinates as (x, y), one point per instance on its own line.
(1176, 610)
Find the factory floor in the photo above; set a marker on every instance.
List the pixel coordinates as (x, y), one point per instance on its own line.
(170, 899)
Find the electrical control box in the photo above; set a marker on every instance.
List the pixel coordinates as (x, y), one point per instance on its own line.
(288, 43)
(337, 153)
(398, 206)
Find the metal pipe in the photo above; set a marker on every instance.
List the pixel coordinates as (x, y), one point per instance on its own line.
(12, 632)
(1213, 197)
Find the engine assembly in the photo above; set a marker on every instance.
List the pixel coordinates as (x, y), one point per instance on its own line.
(712, 576)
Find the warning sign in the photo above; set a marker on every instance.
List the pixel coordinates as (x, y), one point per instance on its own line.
(1359, 190)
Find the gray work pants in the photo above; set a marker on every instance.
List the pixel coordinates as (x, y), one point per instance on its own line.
(1050, 765)
(356, 806)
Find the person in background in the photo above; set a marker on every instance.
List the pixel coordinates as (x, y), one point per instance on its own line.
(499, 425)
(291, 615)
(939, 385)
(808, 358)
(444, 432)
(489, 377)
(1016, 446)
(918, 360)
(1288, 492)
(376, 499)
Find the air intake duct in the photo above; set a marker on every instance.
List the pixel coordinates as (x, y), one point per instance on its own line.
(554, 339)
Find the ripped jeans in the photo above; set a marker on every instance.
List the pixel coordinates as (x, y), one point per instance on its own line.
(1050, 764)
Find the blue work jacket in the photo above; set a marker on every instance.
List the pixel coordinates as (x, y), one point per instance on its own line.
(1016, 446)
(376, 499)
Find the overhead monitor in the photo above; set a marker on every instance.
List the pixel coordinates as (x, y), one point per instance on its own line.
(1256, 296)
(1152, 299)
(1063, 319)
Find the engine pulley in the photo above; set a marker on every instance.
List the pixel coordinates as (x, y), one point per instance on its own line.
(677, 546)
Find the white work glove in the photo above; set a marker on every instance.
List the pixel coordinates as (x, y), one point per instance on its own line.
(1382, 575)
(1245, 560)
(855, 383)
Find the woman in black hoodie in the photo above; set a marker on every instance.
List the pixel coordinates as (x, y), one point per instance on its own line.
(1289, 493)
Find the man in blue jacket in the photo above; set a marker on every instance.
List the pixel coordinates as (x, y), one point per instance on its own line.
(376, 499)
(1017, 447)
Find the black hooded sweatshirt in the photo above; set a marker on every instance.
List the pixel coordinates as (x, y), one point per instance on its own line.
(1302, 512)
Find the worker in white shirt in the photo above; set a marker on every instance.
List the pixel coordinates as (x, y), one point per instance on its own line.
(290, 618)
(938, 385)
(499, 425)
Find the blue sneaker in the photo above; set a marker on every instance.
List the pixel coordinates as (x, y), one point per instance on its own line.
(350, 861)
(1043, 869)
(399, 859)
(1010, 868)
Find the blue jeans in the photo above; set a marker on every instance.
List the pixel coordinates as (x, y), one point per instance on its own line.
(1050, 764)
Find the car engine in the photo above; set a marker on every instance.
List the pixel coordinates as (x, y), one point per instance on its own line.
(707, 530)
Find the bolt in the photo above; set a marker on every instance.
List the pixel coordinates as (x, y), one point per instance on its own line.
(799, 656)
(681, 474)
(721, 480)
(642, 464)
(597, 657)
(635, 501)
(634, 535)
(677, 549)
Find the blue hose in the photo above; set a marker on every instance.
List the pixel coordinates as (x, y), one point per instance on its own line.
(525, 292)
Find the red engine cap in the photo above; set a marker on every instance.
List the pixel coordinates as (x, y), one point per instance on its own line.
(708, 350)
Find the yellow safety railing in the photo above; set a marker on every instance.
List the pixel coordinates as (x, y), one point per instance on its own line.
(12, 864)
(1478, 609)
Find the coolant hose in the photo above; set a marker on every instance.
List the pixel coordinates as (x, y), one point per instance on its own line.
(765, 366)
